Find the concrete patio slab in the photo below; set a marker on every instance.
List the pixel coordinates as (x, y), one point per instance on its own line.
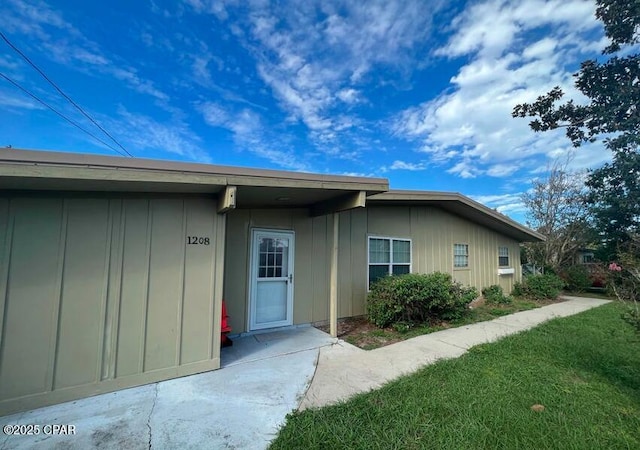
(344, 370)
(240, 406)
(258, 346)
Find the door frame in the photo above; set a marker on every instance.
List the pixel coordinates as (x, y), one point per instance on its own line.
(253, 277)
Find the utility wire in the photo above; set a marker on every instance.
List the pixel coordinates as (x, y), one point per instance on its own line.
(75, 124)
(78, 107)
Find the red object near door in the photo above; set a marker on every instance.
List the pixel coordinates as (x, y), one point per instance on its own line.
(225, 328)
(225, 324)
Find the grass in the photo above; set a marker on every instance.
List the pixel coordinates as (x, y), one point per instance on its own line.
(369, 338)
(592, 293)
(584, 369)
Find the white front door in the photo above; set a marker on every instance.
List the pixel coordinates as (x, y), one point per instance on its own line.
(271, 281)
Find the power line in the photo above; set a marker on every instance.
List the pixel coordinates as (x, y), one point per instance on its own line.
(75, 124)
(78, 107)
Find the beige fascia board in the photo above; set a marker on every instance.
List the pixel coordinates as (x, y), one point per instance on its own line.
(104, 174)
(426, 196)
(227, 199)
(16, 162)
(343, 203)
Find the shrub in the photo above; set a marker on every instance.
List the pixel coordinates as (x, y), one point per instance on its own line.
(413, 298)
(625, 280)
(495, 294)
(539, 287)
(576, 278)
(518, 289)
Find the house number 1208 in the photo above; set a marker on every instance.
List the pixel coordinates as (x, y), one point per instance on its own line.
(195, 240)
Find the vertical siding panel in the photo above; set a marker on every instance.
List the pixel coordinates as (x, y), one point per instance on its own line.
(6, 236)
(199, 282)
(55, 320)
(165, 284)
(345, 307)
(417, 235)
(30, 309)
(219, 268)
(303, 281)
(136, 239)
(237, 258)
(181, 283)
(111, 289)
(432, 243)
(320, 264)
(81, 321)
(114, 289)
(359, 269)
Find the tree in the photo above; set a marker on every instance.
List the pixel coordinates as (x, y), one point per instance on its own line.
(625, 280)
(613, 89)
(614, 200)
(556, 208)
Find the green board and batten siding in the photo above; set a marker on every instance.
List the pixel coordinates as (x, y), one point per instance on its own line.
(99, 294)
(432, 231)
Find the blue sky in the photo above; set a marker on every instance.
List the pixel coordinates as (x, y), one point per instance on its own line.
(419, 92)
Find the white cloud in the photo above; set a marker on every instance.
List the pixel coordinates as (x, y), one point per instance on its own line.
(60, 41)
(503, 203)
(140, 133)
(490, 27)
(10, 101)
(32, 18)
(470, 126)
(402, 165)
(502, 170)
(215, 7)
(249, 134)
(315, 55)
(465, 169)
(348, 95)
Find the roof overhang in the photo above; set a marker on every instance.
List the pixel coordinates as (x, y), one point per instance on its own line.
(253, 188)
(461, 206)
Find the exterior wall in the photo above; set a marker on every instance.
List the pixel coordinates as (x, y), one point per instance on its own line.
(432, 232)
(311, 262)
(99, 293)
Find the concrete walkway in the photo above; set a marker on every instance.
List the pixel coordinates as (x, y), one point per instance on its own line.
(241, 406)
(345, 370)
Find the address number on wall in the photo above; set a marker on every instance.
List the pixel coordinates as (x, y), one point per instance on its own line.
(197, 240)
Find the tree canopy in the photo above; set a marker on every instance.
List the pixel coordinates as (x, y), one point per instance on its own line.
(612, 87)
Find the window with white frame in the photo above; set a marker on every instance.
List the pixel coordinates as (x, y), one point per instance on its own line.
(388, 256)
(503, 256)
(460, 255)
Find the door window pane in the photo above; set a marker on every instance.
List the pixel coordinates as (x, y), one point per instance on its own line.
(273, 257)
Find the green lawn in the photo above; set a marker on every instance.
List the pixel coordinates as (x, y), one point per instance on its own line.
(584, 369)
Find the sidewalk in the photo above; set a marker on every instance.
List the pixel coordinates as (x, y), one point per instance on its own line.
(240, 406)
(345, 370)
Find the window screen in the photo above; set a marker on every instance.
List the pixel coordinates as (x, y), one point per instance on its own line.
(460, 255)
(388, 256)
(503, 256)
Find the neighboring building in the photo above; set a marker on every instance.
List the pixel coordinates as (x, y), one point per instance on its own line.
(113, 271)
(585, 256)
